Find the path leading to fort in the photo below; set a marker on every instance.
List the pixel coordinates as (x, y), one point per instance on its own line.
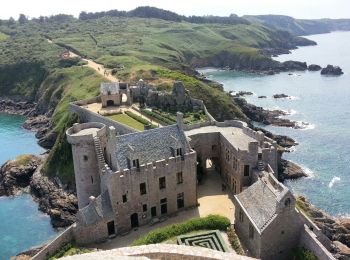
(211, 198)
(100, 69)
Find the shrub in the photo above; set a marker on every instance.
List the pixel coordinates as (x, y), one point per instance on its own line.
(139, 119)
(158, 117)
(234, 241)
(161, 234)
(301, 253)
(69, 250)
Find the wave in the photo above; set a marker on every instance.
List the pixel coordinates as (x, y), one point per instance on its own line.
(304, 125)
(293, 98)
(334, 181)
(310, 174)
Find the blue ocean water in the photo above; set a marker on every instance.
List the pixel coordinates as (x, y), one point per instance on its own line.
(21, 224)
(323, 102)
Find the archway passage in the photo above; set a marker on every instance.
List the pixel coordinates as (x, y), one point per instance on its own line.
(110, 103)
(124, 98)
(134, 218)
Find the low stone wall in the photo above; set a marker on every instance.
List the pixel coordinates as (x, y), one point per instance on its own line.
(308, 240)
(163, 251)
(51, 248)
(88, 116)
(228, 123)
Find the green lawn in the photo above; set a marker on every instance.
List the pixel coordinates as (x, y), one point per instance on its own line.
(127, 120)
(2, 36)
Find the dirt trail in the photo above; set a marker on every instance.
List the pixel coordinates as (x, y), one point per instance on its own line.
(100, 69)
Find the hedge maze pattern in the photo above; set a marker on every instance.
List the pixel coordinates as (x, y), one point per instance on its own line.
(210, 239)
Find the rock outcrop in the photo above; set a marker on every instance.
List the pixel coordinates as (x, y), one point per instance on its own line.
(178, 100)
(294, 65)
(289, 170)
(15, 175)
(267, 117)
(60, 205)
(332, 70)
(280, 96)
(23, 174)
(16, 106)
(337, 230)
(314, 67)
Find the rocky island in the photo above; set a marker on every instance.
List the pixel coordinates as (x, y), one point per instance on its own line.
(332, 71)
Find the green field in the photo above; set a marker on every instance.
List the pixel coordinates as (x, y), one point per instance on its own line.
(127, 120)
(159, 51)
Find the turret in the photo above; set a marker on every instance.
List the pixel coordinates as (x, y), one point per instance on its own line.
(86, 140)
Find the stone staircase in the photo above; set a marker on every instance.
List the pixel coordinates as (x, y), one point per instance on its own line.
(100, 158)
(261, 166)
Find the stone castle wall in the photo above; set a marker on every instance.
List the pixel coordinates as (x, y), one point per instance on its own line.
(88, 116)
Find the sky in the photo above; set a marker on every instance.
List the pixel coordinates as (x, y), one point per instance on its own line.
(297, 8)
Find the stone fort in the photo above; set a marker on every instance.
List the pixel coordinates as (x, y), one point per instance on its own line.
(129, 179)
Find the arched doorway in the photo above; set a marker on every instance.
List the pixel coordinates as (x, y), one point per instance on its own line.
(124, 98)
(110, 103)
(134, 218)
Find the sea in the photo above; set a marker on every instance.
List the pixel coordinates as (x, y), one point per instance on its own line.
(22, 225)
(323, 102)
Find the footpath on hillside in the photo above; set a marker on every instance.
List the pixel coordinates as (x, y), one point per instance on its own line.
(100, 69)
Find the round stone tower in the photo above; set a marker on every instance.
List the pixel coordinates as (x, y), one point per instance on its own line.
(88, 141)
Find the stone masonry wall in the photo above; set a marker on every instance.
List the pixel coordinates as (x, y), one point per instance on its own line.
(88, 116)
(51, 248)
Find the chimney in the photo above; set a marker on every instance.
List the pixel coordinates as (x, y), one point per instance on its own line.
(179, 120)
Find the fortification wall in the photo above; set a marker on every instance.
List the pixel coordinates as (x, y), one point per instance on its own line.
(164, 251)
(88, 116)
(50, 249)
(309, 240)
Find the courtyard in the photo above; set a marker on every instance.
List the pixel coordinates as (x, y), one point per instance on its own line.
(211, 198)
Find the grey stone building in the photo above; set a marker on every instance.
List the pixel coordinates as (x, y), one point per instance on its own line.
(124, 181)
(115, 94)
(266, 220)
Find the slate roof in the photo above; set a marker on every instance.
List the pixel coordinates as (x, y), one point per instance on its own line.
(106, 87)
(102, 208)
(150, 146)
(260, 202)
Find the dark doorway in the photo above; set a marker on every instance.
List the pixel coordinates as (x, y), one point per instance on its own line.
(134, 220)
(154, 212)
(163, 206)
(111, 228)
(110, 103)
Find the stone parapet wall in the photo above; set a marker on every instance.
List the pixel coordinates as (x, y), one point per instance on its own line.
(88, 116)
(163, 251)
(50, 249)
(309, 240)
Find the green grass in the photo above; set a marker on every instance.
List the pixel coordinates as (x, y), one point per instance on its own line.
(69, 250)
(127, 120)
(303, 254)
(23, 159)
(162, 234)
(3, 36)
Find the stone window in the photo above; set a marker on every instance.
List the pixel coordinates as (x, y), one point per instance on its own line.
(125, 199)
(287, 202)
(162, 183)
(179, 178)
(251, 231)
(180, 200)
(179, 152)
(144, 207)
(136, 163)
(246, 170)
(85, 157)
(241, 215)
(143, 190)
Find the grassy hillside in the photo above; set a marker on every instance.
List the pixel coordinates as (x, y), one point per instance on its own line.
(156, 50)
(300, 26)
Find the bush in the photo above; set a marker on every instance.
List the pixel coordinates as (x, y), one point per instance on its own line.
(139, 119)
(234, 241)
(69, 250)
(158, 117)
(161, 234)
(301, 253)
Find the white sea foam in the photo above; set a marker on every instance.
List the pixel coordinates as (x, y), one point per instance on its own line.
(304, 125)
(293, 98)
(310, 174)
(333, 181)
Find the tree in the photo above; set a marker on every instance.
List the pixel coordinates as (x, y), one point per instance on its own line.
(11, 21)
(22, 19)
